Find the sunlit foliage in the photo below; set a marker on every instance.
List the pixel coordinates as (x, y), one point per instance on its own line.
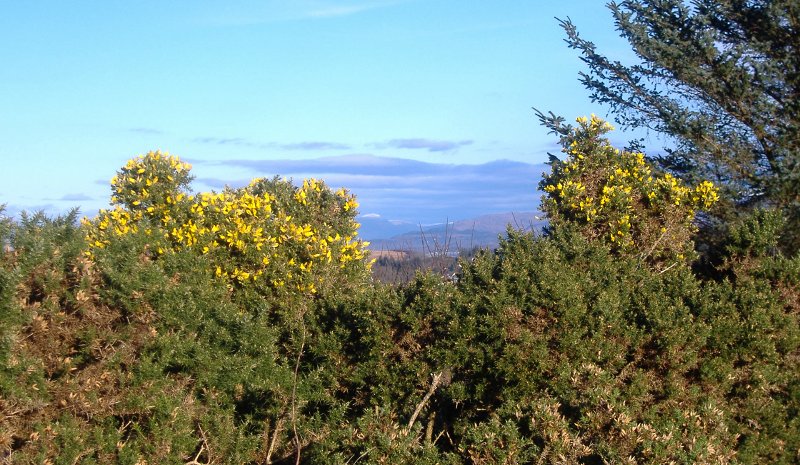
(616, 196)
(269, 234)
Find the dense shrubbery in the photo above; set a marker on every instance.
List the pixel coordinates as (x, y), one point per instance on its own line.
(592, 356)
(614, 196)
(268, 235)
(242, 327)
(180, 324)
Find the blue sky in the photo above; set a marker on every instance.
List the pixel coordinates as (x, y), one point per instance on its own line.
(421, 107)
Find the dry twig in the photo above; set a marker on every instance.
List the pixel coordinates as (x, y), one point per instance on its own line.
(437, 378)
(203, 447)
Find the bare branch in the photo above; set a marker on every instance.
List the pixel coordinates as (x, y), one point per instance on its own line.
(437, 378)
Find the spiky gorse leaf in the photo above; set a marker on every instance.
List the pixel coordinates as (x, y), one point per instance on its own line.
(615, 196)
(270, 234)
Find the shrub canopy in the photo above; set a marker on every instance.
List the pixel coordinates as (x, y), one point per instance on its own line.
(721, 79)
(618, 198)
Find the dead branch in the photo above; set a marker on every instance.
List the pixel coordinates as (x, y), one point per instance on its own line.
(297, 443)
(437, 378)
(203, 448)
(274, 439)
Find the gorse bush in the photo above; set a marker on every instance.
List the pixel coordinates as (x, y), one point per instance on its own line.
(179, 325)
(616, 197)
(578, 355)
(718, 79)
(268, 235)
(243, 326)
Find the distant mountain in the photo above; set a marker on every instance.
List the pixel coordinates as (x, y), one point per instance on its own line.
(375, 228)
(482, 231)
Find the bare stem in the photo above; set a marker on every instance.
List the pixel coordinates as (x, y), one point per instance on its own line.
(437, 378)
(297, 443)
(274, 439)
(203, 448)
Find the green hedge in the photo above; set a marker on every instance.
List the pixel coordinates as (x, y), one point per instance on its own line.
(551, 349)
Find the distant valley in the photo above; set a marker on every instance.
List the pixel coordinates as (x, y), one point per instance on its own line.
(448, 237)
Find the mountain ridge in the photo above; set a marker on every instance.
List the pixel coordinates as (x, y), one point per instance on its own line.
(449, 237)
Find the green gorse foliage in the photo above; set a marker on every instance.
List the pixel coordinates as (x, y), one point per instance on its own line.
(595, 356)
(132, 338)
(617, 197)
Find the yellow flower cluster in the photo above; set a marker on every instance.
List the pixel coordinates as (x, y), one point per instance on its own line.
(309, 185)
(251, 235)
(149, 179)
(705, 194)
(117, 222)
(594, 124)
(350, 201)
(615, 195)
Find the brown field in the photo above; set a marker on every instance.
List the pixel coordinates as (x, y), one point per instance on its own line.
(390, 254)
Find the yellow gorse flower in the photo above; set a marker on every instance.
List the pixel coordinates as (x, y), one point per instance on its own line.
(614, 194)
(247, 232)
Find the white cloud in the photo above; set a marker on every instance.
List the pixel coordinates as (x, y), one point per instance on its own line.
(243, 12)
(431, 145)
(338, 10)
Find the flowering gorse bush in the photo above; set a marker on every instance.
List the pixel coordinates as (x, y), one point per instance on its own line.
(191, 333)
(150, 180)
(270, 234)
(615, 196)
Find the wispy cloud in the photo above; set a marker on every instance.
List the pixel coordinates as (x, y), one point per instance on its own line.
(339, 10)
(431, 145)
(243, 142)
(76, 197)
(335, 8)
(315, 146)
(143, 130)
(415, 143)
(234, 141)
(271, 11)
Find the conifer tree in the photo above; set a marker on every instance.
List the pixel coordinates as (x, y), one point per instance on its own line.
(720, 78)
